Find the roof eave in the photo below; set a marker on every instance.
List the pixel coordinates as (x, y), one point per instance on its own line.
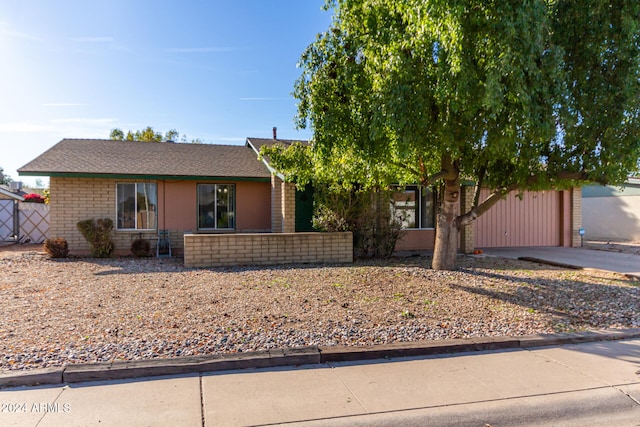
(145, 176)
(11, 194)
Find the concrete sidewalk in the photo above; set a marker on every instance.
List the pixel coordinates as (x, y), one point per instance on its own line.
(577, 384)
(623, 263)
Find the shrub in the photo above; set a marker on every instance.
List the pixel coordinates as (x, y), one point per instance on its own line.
(140, 248)
(56, 248)
(363, 212)
(98, 234)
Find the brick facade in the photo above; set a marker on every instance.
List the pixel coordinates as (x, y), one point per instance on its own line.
(288, 207)
(283, 206)
(77, 199)
(213, 250)
(467, 238)
(276, 204)
(576, 216)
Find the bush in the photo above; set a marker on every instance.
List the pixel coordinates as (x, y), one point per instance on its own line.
(140, 248)
(363, 212)
(56, 248)
(98, 234)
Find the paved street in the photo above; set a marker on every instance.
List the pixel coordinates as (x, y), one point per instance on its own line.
(579, 384)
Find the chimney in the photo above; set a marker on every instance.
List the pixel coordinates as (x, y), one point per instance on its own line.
(275, 132)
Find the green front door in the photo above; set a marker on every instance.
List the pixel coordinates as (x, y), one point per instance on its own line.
(304, 209)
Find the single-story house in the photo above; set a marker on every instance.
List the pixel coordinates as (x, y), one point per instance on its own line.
(196, 191)
(199, 193)
(611, 213)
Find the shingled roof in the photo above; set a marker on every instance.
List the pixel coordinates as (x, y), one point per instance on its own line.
(97, 157)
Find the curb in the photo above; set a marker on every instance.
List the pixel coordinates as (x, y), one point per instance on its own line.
(311, 355)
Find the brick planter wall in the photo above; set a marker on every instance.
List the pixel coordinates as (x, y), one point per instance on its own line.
(214, 250)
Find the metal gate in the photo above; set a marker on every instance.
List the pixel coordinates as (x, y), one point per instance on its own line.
(23, 222)
(8, 220)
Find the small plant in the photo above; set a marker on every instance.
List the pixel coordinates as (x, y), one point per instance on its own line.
(56, 248)
(407, 314)
(140, 248)
(98, 234)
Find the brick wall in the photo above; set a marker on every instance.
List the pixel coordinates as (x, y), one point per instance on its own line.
(77, 199)
(576, 216)
(213, 250)
(288, 207)
(276, 204)
(467, 238)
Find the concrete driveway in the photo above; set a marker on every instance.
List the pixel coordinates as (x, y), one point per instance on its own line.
(624, 263)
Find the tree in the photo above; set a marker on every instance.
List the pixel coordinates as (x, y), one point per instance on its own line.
(116, 134)
(515, 96)
(149, 135)
(4, 179)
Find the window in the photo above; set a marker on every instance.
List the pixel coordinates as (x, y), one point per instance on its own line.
(413, 207)
(137, 206)
(216, 206)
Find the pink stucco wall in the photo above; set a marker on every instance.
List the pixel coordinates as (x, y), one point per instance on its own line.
(178, 205)
(416, 240)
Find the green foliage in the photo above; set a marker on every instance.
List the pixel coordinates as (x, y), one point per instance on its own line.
(140, 248)
(513, 95)
(348, 195)
(4, 179)
(150, 135)
(363, 212)
(56, 248)
(116, 134)
(527, 93)
(98, 234)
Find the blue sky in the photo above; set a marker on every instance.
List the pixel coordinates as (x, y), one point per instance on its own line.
(215, 70)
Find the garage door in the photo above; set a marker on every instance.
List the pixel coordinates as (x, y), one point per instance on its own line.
(533, 221)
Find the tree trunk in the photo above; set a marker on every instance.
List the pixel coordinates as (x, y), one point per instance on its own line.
(445, 252)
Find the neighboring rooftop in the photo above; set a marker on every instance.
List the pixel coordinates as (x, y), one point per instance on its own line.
(8, 193)
(99, 157)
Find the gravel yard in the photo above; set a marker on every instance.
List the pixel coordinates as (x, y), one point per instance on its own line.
(58, 312)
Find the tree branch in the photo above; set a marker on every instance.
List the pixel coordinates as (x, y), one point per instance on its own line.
(481, 174)
(476, 211)
(433, 178)
(500, 193)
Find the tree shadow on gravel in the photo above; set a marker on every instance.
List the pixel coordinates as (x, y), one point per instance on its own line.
(575, 304)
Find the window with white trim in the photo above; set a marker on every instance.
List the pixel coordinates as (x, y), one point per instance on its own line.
(137, 206)
(413, 206)
(216, 206)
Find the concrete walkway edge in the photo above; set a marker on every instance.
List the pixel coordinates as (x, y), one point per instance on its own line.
(295, 357)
